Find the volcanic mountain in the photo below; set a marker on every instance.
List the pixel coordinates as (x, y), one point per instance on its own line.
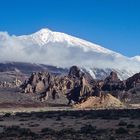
(62, 50)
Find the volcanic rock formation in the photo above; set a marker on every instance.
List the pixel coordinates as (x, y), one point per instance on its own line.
(133, 81)
(113, 83)
(75, 87)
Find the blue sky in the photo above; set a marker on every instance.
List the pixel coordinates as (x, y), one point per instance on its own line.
(114, 24)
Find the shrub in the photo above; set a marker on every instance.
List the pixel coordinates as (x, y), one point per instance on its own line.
(67, 131)
(22, 120)
(7, 114)
(122, 123)
(130, 126)
(121, 130)
(58, 118)
(33, 125)
(112, 138)
(48, 131)
(17, 131)
(88, 129)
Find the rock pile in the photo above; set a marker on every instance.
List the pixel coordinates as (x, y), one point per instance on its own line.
(105, 101)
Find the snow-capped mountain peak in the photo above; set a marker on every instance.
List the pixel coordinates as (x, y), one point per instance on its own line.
(63, 50)
(46, 36)
(44, 30)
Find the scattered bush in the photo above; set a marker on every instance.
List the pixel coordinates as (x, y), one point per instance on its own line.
(88, 129)
(33, 125)
(16, 131)
(58, 118)
(23, 120)
(24, 115)
(112, 138)
(48, 131)
(7, 114)
(130, 126)
(121, 130)
(67, 131)
(122, 123)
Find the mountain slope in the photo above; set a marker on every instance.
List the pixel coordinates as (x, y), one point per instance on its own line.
(62, 50)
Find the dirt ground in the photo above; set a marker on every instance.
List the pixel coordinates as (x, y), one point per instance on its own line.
(24, 118)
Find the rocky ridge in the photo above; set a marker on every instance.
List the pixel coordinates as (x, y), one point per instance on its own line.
(79, 87)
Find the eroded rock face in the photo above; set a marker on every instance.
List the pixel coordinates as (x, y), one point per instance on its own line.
(76, 86)
(113, 77)
(75, 72)
(113, 83)
(133, 81)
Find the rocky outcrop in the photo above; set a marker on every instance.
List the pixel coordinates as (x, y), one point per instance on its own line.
(38, 82)
(113, 77)
(75, 72)
(77, 87)
(74, 86)
(113, 83)
(133, 81)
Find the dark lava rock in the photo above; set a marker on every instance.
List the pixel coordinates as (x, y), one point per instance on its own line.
(75, 72)
(133, 81)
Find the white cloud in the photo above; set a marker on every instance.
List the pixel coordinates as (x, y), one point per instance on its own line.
(60, 54)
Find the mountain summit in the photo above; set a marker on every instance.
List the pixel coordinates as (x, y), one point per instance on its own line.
(63, 50)
(45, 36)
